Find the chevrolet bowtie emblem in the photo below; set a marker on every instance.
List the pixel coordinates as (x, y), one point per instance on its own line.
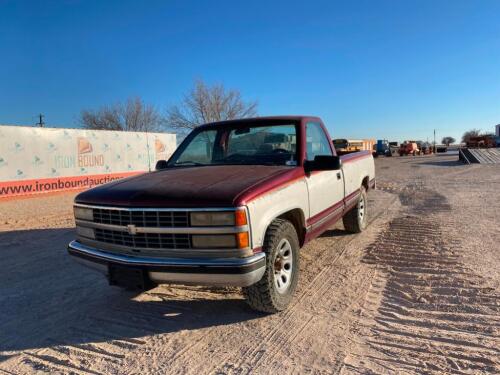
(132, 229)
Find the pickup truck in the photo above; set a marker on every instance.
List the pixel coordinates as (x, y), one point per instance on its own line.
(231, 207)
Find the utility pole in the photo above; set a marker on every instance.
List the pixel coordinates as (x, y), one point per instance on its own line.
(434, 141)
(40, 123)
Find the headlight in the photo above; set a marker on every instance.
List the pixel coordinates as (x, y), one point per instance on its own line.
(225, 218)
(206, 219)
(214, 241)
(84, 213)
(85, 232)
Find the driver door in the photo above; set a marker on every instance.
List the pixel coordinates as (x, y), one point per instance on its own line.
(325, 188)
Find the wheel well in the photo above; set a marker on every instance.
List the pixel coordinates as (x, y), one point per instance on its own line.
(366, 183)
(296, 217)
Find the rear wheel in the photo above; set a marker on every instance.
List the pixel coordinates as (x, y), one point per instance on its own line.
(356, 219)
(275, 290)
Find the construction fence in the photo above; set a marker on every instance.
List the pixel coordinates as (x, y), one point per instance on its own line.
(38, 160)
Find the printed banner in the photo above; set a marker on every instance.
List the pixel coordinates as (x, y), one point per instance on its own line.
(35, 160)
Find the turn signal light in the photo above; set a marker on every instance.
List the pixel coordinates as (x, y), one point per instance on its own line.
(242, 240)
(240, 218)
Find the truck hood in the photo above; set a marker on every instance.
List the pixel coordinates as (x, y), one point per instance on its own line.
(208, 186)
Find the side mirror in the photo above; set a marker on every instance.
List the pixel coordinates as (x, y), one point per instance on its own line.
(323, 163)
(161, 164)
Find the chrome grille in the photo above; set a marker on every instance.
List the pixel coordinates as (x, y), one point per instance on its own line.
(166, 219)
(143, 240)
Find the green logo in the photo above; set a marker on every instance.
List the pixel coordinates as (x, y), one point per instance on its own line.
(18, 147)
(51, 147)
(37, 161)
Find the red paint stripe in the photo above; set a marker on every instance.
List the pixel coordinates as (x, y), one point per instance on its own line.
(311, 235)
(324, 213)
(279, 182)
(349, 202)
(355, 156)
(320, 229)
(351, 195)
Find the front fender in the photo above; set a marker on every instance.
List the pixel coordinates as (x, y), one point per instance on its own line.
(269, 206)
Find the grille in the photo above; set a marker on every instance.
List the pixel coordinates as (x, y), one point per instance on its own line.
(169, 219)
(144, 240)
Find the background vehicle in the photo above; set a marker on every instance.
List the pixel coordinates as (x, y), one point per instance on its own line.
(346, 146)
(408, 148)
(383, 147)
(483, 141)
(424, 148)
(232, 206)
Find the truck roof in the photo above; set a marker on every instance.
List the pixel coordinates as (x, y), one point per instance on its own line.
(294, 118)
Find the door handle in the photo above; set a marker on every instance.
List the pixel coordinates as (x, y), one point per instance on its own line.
(339, 176)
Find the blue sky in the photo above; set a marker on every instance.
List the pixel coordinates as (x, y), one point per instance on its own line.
(371, 69)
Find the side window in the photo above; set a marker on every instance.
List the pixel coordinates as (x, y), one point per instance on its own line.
(316, 141)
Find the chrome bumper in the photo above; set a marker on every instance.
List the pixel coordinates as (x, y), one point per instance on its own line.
(188, 271)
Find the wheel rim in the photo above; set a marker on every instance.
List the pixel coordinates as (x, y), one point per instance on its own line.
(283, 266)
(362, 209)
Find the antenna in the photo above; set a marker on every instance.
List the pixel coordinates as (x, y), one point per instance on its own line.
(40, 123)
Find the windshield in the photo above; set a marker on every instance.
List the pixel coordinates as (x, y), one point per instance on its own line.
(252, 144)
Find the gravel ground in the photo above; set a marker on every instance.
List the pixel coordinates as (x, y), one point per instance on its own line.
(417, 292)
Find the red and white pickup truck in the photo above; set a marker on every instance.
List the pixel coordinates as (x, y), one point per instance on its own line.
(232, 206)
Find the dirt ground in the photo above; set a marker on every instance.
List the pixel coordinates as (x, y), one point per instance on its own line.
(417, 292)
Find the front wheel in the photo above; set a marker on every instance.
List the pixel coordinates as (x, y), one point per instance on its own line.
(355, 220)
(274, 292)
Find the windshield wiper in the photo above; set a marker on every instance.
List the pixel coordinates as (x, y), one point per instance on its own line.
(187, 162)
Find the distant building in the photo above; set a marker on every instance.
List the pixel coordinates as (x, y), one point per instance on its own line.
(497, 130)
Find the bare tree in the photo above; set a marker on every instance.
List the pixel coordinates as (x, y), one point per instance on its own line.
(448, 141)
(205, 104)
(488, 134)
(134, 115)
(471, 133)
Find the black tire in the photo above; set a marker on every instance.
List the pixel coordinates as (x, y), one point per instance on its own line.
(265, 295)
(355, 220)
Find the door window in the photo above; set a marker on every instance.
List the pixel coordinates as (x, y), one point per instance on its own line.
(316, 141)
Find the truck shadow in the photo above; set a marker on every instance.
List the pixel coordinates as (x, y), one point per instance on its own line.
(49, 300)
(335, 233)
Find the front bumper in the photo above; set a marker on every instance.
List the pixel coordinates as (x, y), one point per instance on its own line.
(188, 271)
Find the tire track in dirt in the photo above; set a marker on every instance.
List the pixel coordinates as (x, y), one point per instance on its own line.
(294, 320)
(74, 358)
(434, 313)
(101, 342)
